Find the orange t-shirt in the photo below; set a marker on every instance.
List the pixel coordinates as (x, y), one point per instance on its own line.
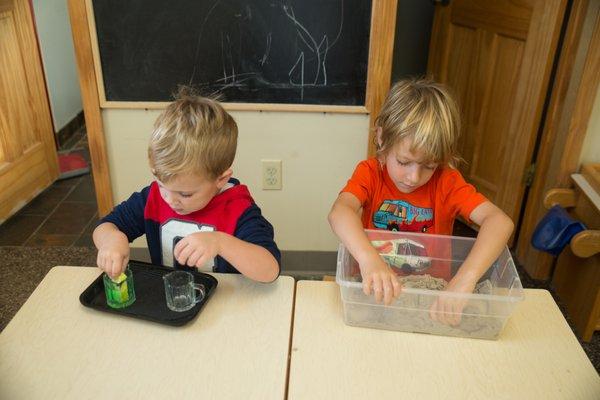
(431, 208)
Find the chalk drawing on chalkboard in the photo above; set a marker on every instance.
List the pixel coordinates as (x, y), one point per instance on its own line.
(246, 51)
(268, 48)
(321, 54)
(297, 71)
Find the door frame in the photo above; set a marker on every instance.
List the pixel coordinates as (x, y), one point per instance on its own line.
(572, 94)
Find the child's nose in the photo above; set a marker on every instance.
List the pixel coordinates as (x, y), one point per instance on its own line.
(415, 174)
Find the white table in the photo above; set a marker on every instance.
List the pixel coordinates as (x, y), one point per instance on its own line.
(237, 348)
(536, 357)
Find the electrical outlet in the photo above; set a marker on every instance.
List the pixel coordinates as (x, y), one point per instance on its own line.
(271, 174)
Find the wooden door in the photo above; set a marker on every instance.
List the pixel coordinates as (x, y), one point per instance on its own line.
(28, 159)
(497, 57)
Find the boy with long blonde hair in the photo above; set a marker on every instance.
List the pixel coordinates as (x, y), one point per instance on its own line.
(416, 136)
(194, 213)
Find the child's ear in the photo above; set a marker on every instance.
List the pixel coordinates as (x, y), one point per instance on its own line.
(378, 134)
(224, 178)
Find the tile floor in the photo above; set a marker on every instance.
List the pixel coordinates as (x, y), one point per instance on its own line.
(63, 215)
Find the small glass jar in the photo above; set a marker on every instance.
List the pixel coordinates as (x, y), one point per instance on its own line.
(119, 292)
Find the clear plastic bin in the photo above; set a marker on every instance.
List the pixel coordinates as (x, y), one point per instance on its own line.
(411, 254)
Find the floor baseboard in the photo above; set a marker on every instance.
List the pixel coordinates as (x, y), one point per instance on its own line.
(292, 262)
(69, 130)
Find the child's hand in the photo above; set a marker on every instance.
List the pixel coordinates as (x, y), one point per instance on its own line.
(113, 255)
(447, 309)
(197, 249)
(377, 275)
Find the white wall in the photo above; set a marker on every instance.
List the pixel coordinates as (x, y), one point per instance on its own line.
(591, 145)
(318, 151)
(58, 57)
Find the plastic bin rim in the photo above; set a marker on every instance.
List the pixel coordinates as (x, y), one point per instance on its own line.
(418, 234)
(520, 297)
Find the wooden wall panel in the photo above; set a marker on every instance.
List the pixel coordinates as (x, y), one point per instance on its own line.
(381, 49)
(91, 105)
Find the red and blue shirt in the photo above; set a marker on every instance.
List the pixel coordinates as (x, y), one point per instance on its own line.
(232, 211)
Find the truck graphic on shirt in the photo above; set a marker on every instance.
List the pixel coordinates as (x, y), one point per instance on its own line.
(404, 254)
(398, 215)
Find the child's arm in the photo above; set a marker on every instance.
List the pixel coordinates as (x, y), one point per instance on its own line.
(252, 260)
(113, 249)
(345, 222)
(494, 232)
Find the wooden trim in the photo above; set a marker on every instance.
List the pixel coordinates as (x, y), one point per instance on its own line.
(591, 172)
(439, 38)
(91, 105)
(381, 50)
(95, 51)
(566, 198)
(159, 105)
(586, 243)
(587, 189)
(571, 102)
(381, 12)
(531, 93)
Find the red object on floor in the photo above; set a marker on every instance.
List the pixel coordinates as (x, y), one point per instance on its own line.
(72, 165)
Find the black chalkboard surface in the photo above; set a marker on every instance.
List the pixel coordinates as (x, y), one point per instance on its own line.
(249, 51)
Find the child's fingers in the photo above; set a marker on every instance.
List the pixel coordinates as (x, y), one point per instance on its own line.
(202, 260)
(100, 261)
(445, 312)
(388, 291)
(450, 312)
(114, 267)
(378, 289)
(367, 282)
(433, 312)
(183, 256)
(397, 286)
(178, 248)
(457, 310)
(193, 258)
(104, 263)
(124, 263)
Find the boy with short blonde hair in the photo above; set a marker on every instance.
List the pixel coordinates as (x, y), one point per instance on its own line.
(416, 134)
(194, 213)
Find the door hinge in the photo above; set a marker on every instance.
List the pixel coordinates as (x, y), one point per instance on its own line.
(529, 174)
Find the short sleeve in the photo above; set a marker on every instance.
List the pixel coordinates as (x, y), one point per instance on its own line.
(362, 181)
(129, 215)
(460, 197)
(253, 228)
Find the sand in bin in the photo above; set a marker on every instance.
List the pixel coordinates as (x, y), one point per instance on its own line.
(410, 312)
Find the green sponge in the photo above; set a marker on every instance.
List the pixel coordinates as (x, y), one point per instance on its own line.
(122, 293)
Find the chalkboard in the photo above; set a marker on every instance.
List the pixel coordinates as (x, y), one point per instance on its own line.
(248, 51)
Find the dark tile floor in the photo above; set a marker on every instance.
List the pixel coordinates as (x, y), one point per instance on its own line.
(56, 229)
(62, 215)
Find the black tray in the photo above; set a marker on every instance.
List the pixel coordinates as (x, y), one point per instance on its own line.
(150, 303)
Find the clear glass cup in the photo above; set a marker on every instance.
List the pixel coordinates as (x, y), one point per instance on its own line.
(120, 293)
(181, 292)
